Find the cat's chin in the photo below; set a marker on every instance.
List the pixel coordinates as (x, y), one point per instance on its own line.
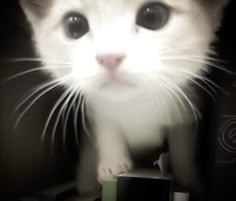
(117, 84)
(115, 91)
(118, 92)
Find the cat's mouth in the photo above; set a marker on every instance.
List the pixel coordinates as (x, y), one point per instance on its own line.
(117, 83)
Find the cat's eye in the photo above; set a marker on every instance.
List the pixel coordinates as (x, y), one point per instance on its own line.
(153, 15)
(75, 25)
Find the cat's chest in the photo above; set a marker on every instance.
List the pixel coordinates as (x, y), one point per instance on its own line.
(139, 120)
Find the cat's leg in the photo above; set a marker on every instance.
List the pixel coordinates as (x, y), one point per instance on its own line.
(87, 172)
(182, 142)
(114, 157)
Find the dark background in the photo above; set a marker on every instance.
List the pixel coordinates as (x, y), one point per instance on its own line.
(27, 167)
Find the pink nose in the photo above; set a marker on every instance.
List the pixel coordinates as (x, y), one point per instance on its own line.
(110, 61)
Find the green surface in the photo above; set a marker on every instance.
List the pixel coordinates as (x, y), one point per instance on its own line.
(109, 189)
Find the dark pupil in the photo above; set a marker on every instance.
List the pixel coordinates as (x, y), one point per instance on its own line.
(75, 26)
(150, 16)
(153, 16)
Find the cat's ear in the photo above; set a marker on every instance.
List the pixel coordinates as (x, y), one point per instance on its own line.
(35, 9)
(216, 9)
(217, 6)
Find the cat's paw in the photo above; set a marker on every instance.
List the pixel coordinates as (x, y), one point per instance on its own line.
(112, 167)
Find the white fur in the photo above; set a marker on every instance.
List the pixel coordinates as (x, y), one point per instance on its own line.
(128, 115)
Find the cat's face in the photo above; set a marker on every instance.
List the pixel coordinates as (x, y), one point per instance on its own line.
(117, 48)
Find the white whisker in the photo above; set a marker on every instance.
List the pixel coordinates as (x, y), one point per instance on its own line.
(75, 90)
(205, 80)
(75, 125)
(157, 95)
(58, 83)
(29, 71)
(195, 111)
(63, 107)
(166, 85)
(58, 102)
(200, 85)
(83, 115)
(39, 60)
(79, 98)
(173, 101)
(210, 56)
(41, 87)
(203, 62)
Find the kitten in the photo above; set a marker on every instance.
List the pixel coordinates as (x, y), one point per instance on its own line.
(133, 62)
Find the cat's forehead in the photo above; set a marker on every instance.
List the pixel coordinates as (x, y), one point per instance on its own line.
(125, 1)
(100, 4)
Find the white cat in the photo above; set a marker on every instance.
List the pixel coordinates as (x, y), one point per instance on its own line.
(132, 60)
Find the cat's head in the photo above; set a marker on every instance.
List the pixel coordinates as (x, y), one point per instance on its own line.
(117, 48)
